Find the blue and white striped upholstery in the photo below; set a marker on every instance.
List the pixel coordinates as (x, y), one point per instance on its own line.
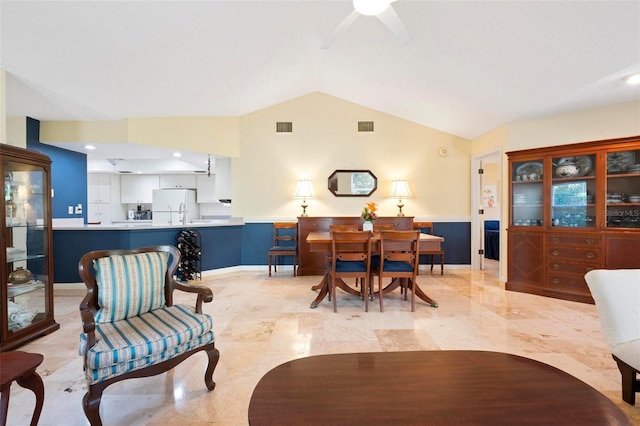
(130, 285)
(141, 341)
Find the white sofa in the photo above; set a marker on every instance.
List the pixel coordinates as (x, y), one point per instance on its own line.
(617, 297)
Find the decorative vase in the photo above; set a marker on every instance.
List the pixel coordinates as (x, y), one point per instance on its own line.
(367, 225)
(20, 276)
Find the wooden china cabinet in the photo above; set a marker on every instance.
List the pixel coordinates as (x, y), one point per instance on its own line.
(26, 268)
(573, 208)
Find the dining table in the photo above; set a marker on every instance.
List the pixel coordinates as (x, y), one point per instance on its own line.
(448, 387)
(321, 242)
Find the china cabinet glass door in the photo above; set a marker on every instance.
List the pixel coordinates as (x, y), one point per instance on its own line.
(527, 193)
(26, 239)
(623, 189)
(573, 189)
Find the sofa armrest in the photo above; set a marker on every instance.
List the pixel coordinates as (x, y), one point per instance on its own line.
(204, 293)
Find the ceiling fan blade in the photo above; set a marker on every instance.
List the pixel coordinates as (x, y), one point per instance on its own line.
(390, 18)
(346, 22)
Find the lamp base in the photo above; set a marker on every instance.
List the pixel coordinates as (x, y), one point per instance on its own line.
(400, 206)
(304, 206)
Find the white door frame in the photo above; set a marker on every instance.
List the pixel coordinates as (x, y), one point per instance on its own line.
(477, 224)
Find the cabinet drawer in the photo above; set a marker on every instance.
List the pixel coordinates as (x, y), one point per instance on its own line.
(570, 283)
(578, 269)
(574, 240)
(590, 255)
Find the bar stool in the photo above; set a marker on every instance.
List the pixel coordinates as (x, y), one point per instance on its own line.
(20, 367)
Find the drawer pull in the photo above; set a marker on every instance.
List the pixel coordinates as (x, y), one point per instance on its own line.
(589, 255)
(556, 281)
(556, 266)
(590, 241)
(556, 240)
(555, 253)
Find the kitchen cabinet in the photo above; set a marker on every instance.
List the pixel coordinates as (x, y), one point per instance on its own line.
(206, 189)
(99, 212)
(223, 178)
(178, 181)
(573, 208)
(26, 268)
(138, 189)
(98, 188)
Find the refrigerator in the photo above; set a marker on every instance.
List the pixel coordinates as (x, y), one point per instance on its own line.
(174, 206)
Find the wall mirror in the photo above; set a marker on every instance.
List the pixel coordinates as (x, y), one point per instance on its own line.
(352, 183)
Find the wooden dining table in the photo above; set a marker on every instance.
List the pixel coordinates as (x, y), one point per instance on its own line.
(427, 388)
(321, 242)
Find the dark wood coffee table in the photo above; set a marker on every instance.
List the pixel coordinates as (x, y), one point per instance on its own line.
(427, 388)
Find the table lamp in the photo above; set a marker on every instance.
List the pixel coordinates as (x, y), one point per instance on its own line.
(400, 189)
(304, 190)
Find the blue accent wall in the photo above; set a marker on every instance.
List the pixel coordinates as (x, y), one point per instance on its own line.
(68, 174)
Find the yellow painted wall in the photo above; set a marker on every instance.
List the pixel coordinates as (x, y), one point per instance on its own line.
(16, 131)
(3, 106)
(212, 135)
(84, 132)
(325, 138)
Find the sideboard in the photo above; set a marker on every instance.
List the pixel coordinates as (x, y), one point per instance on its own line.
(315, 263)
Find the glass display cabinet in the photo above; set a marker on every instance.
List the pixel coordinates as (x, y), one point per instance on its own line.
(573, 208)
(26, 288)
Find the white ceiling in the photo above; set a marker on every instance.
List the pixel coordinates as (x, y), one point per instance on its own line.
(472, 66)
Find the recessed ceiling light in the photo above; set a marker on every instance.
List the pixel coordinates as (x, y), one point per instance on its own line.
(89, 147)
(177, 154)
(633, 79)
(370, 7)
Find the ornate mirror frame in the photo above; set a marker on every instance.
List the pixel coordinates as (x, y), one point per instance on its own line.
(352, 183)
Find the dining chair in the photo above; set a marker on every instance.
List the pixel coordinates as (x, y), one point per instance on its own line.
(285, 243)
(350, 258)
(427, 228)
(398, 260)
(616, 293)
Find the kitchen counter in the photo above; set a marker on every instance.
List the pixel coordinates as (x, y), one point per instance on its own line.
(147, 224)
(220, 242)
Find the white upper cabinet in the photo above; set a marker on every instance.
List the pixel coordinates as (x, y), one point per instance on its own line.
(206, 189)
(223, 178)
(178, 181)
(138, 189)
(98, 188)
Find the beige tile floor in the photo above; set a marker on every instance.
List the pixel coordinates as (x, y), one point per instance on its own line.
(261, 322)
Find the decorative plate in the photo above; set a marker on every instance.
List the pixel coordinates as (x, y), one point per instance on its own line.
(528, 168)
(617, 162)
(585, 165)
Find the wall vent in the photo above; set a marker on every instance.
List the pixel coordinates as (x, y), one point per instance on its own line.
(365, 126)
(124, 172)
(284, 127)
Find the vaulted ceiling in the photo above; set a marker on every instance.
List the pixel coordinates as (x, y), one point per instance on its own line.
(472, 65)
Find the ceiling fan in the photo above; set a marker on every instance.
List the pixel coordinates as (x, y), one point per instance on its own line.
(381, 9)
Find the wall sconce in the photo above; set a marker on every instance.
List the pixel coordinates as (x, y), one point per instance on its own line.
(304, 190)
(400, 189)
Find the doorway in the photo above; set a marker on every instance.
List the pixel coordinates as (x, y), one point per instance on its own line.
(486, 205)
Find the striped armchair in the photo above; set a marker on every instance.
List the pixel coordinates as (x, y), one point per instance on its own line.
(131, 328)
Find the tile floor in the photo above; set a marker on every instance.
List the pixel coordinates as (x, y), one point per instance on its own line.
(261, 322)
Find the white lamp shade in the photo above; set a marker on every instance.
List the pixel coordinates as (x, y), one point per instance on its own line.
(370, 7)
(304, 189)
(400, 189)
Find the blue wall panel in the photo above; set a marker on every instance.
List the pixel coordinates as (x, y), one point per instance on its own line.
(257, 239)
(68, 174)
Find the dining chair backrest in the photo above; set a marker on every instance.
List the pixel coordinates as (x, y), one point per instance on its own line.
(422, 226)
(399, 246)
(398, 259)
(285, 234)
(350, 258)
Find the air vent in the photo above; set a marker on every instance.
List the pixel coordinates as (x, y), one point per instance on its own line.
(124, 172)
(199, 171)
(284, 127)
(365, 126)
